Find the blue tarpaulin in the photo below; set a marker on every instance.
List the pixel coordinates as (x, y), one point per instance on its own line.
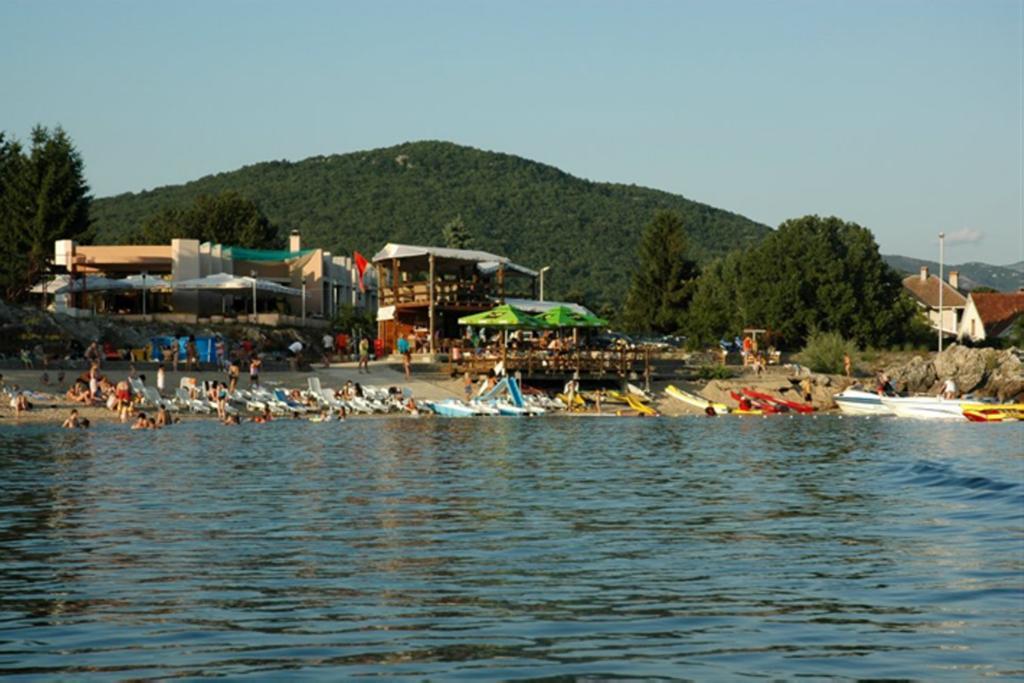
(206, 346)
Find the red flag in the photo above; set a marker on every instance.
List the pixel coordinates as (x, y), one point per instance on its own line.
(361, 264)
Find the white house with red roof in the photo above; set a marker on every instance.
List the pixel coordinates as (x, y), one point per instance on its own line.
(991, 315)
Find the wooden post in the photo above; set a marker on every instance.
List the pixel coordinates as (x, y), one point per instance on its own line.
(394, 279)
(501, 283)
(430, 306)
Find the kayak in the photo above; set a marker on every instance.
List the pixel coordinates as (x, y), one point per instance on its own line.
(761, 406)
(994, 412)
(799, 407)
(639, 407)
(695, 400)
(752, 411)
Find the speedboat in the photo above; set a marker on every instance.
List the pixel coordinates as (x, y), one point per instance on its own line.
(927, 407)
(859, 402)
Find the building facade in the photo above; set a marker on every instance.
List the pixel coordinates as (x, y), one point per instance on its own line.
(323, 283)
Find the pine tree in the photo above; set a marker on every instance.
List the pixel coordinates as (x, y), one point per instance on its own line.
(664, 278)
(43, 198)
(456, 234)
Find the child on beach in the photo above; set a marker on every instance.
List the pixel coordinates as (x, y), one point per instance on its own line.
(254, 371)
(161, 378)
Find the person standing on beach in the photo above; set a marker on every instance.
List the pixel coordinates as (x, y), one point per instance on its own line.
(364, 355)
(847, 365)
(403, 349)
(254, 371)
(94, 380)
(161, 378)
(328, 344)
(191, 354)
(234, 371)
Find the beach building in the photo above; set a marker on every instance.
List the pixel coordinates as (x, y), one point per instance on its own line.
(423, 291)
(991, 315)
(924, 288)
(192, 282)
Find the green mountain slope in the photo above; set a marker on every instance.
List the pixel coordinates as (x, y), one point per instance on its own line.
(531, 212)
(973, 274)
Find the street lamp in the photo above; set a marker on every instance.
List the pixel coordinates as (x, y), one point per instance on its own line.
(143, 294)
(942, 238)
(541, 274)
(252, 274)
(303, 299)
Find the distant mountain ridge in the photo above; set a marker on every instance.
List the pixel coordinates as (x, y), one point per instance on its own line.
(973, 274)
(534, 213)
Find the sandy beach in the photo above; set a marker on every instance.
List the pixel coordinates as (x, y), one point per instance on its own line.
(424, 385)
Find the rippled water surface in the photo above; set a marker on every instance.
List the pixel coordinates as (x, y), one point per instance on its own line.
(502, 548)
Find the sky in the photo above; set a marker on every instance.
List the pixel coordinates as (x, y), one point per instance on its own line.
(905, 117)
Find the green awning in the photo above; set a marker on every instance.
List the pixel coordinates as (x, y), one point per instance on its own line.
(562, 316)
(505, 316)
(243, 254)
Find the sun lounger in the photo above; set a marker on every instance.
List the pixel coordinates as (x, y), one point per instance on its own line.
(294, 406)
(152, 398)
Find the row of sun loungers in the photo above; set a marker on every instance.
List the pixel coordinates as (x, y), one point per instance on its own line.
(277, 401)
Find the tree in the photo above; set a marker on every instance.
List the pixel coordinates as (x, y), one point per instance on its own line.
(663, 281)
(43, 198)
(716, 311)
(226, 218)
(823, 274)
(456, 234)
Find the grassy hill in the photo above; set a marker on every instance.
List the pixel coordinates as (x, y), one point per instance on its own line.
(973, 274)
(531, 212)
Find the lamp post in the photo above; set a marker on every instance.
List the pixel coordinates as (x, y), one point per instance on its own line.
(303, 300)
(942, 238)
(252, 274)
(143, 294)
(541, 273)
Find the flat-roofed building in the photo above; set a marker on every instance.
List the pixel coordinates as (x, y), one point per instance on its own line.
(320, 282)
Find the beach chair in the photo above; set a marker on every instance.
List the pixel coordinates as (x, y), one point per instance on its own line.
(151, 397)
(184, 399)
(282, 396)
(271, 402)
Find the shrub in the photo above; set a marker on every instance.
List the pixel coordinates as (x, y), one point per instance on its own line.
(713, 372)
(824, 352)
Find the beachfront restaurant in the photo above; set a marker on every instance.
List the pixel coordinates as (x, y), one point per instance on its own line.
(423, 291)
(192, 282)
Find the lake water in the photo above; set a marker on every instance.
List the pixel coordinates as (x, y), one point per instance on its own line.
(705, 549)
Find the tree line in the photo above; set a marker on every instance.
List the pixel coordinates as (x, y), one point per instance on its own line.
(812, 274)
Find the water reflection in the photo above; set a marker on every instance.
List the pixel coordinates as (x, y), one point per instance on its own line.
(513, 548)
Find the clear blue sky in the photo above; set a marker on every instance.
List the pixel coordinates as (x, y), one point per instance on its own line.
(903, 116)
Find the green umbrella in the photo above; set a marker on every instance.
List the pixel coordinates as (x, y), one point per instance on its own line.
(506, 316)
(563, 316)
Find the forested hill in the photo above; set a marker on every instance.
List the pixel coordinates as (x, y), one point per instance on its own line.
(533, 213)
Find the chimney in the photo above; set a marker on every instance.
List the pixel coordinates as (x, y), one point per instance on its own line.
(294, 241)
(954, 279)
(924, 273)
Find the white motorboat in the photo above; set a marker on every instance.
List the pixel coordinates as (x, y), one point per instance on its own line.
(927, 407)
(859, 402)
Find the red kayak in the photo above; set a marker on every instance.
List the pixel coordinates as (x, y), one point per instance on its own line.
(763, 406)
(799, 407)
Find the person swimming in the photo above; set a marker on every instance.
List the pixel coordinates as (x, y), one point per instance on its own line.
(72, 421)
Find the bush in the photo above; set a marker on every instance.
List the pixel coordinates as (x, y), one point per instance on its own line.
(713, 372)
(824, 352)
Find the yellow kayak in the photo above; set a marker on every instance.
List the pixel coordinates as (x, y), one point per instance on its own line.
(994, 412)
(696, 401)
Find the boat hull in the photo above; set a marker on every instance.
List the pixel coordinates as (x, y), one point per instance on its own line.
(926, 407)
(695, 401)
(857, 402)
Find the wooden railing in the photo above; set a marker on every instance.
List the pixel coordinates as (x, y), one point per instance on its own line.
(445, 293)
(536, 363)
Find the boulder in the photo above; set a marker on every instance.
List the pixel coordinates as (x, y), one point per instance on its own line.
(1006, 380)
(968, 367)
(917, 376)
